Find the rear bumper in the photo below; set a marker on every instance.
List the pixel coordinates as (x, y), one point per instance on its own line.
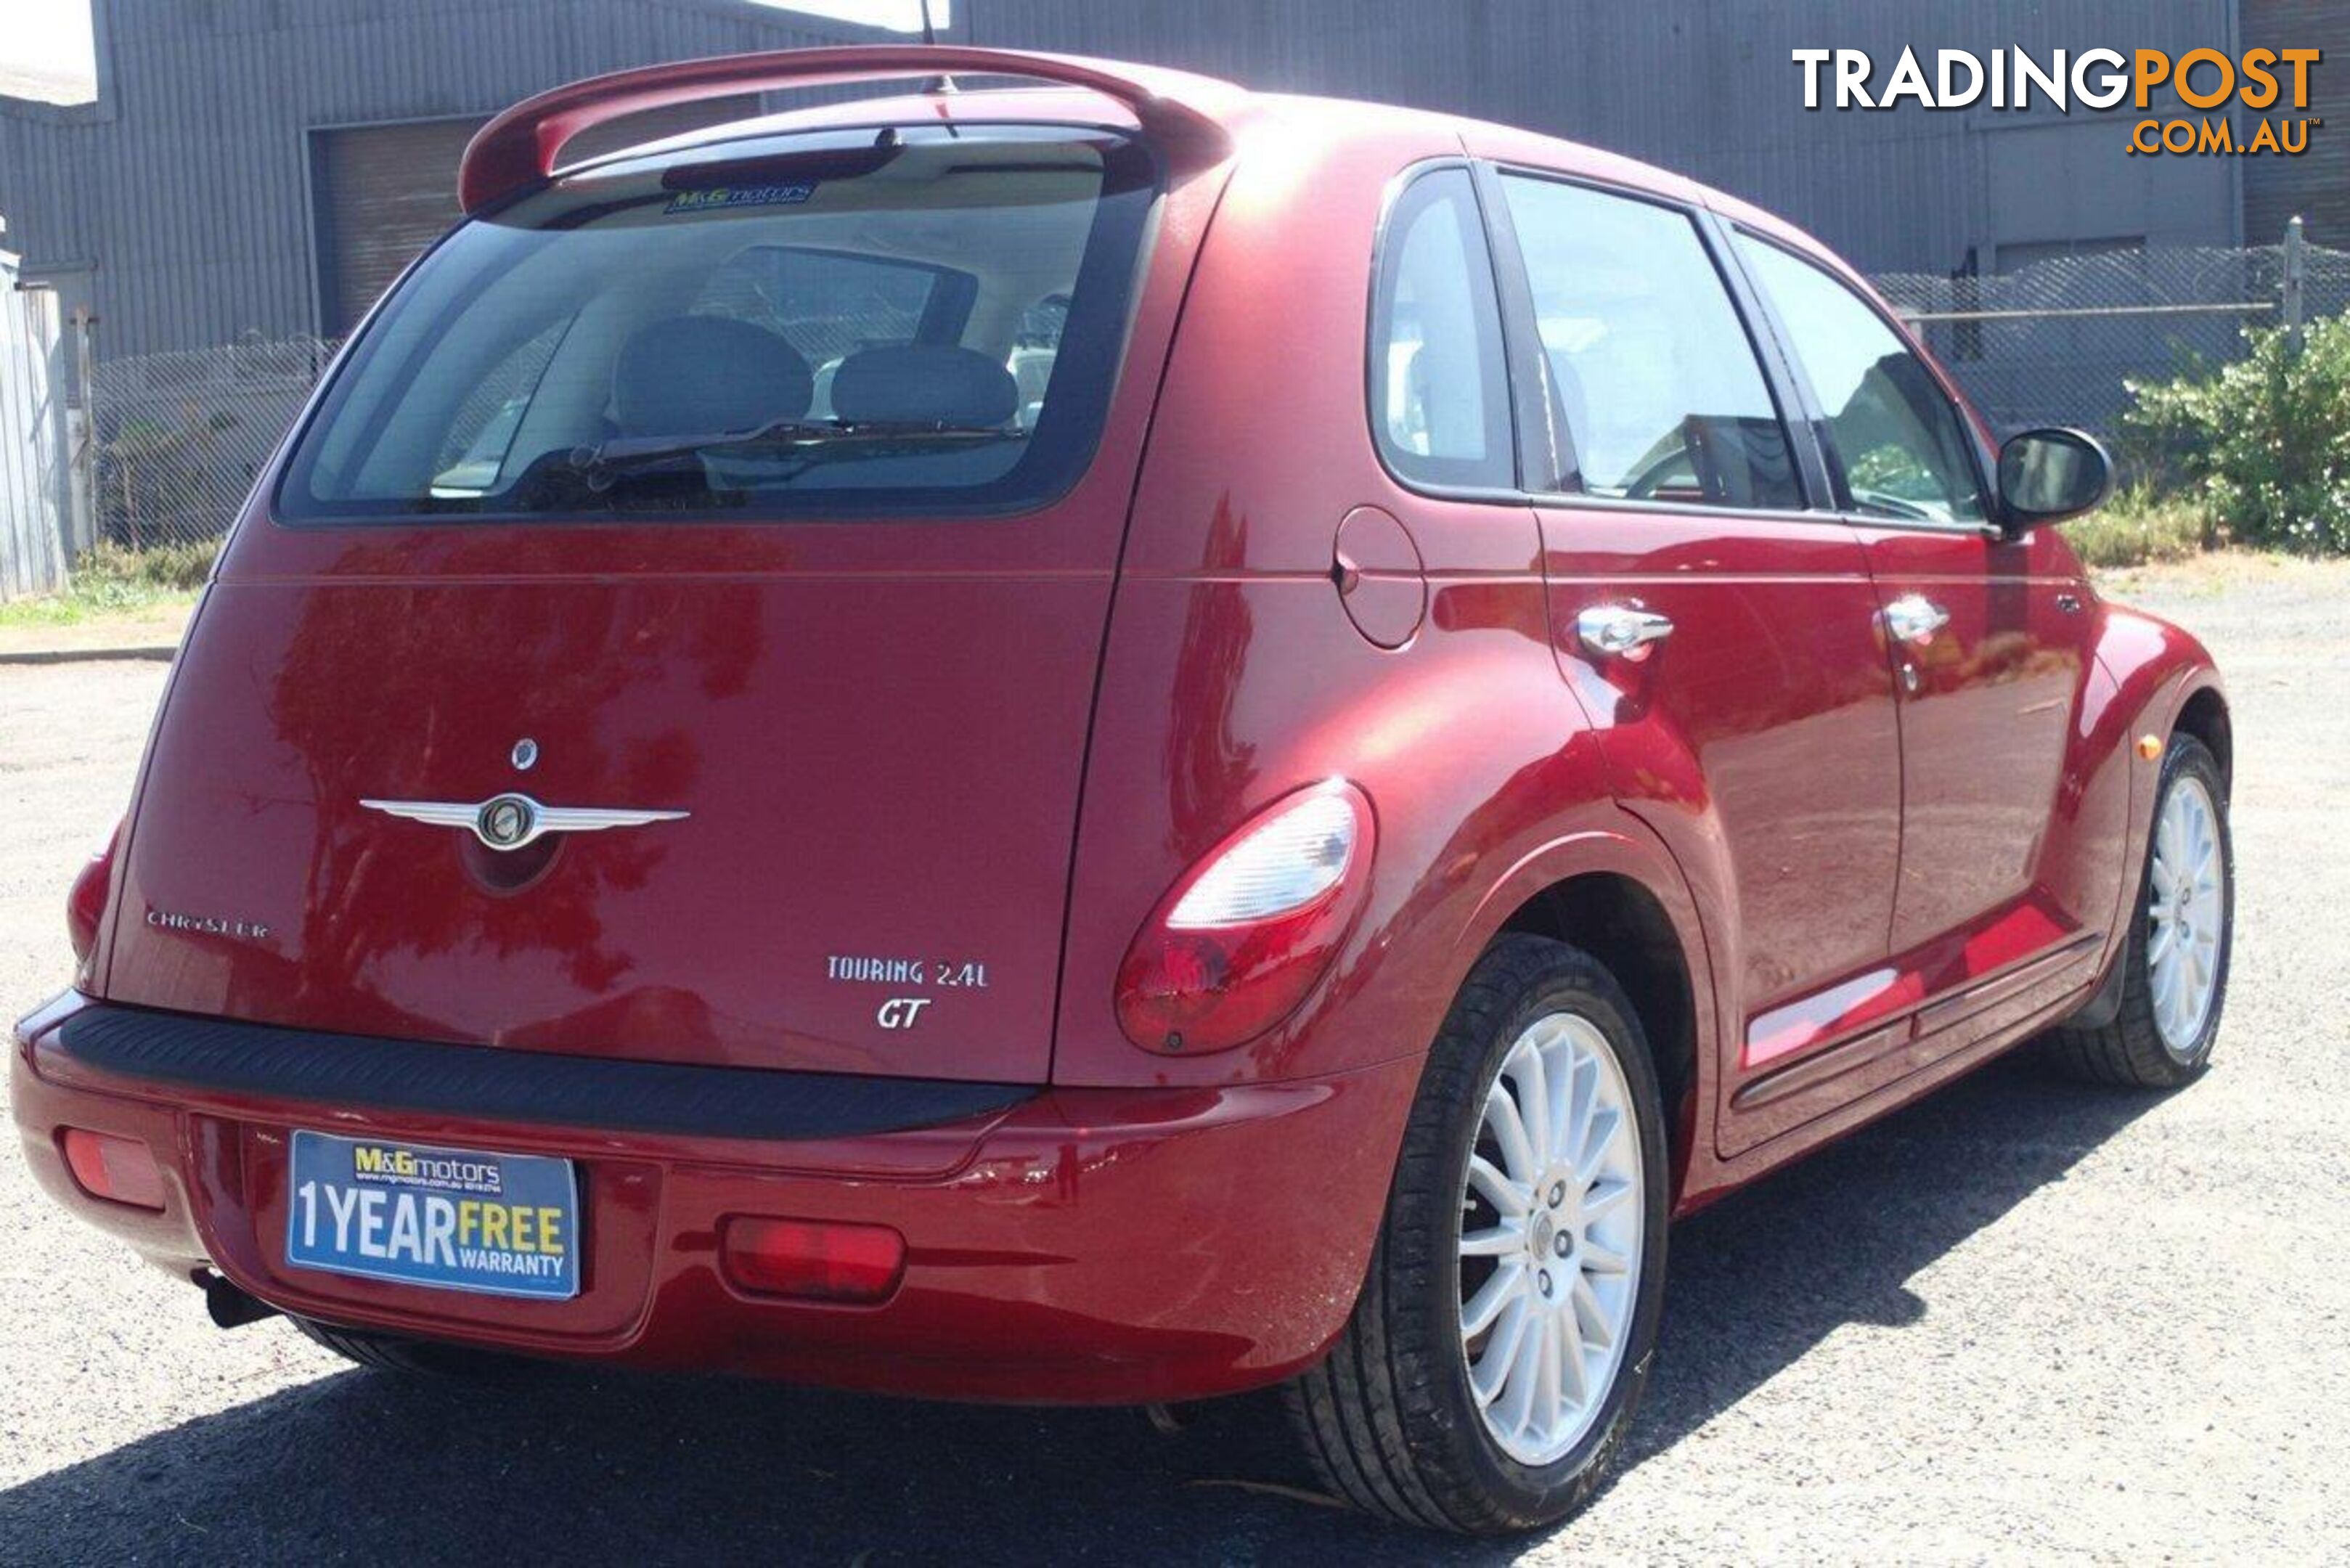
(1061, 1245)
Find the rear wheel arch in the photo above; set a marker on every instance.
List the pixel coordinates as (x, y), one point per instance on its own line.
(1391, 1417)
(1622, 923)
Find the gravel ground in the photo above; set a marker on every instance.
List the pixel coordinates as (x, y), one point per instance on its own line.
(2021, 1319)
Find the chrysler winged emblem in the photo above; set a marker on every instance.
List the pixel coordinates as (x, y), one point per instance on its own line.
(511, 820)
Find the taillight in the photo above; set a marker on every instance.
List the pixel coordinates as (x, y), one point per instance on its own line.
(1234, 946)
(86, 904)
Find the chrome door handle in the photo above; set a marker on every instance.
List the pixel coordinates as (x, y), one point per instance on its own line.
(1621, 631)
(1914, 618)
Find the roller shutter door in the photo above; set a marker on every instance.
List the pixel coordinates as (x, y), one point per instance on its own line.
(383, 192)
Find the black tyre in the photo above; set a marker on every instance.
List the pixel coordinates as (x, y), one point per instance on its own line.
(1432, 1409)
(2174, 978)
(415, 1357)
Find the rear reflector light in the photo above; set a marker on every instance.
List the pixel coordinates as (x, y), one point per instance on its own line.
(118, 1169)
(810, 1261)
(1234, 946)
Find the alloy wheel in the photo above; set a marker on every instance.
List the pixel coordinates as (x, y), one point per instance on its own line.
(1552, 1221)
(2187, 908)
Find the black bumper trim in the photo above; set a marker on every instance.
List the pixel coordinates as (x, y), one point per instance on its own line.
(499, 1085)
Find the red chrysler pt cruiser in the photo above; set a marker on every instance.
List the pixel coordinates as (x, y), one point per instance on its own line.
(1111, 740)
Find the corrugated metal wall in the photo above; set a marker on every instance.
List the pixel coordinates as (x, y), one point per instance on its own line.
(2316, 185)
(188, 183)
(32, 441)
(1708, 89)
(189, 188)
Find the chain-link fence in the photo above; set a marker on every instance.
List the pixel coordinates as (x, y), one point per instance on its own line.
(2056, 342)
(182, 437)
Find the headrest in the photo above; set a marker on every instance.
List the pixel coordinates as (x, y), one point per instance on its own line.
(691, 375)
(929, 385)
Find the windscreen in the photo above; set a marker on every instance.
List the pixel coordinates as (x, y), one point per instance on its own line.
(872, 322)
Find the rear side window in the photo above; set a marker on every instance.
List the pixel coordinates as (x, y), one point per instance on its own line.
(1896, 446)
(486, 422)
(1650, 369)
(1440, 392)
(798, 326)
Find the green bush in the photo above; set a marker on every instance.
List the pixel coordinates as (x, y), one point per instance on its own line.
(111, 579)
(2262, 445)
(111, 569)
(2139, 526)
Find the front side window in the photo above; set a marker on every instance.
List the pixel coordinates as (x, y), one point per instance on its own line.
(1896, 447)
(796, 326)
(1651, 372)
(1440, 390)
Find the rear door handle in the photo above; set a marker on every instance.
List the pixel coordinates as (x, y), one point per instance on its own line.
(1621, 631)
(1914, 618)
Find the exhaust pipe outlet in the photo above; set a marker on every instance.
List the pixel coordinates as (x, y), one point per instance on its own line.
(1171, 1420)
(231, 1307)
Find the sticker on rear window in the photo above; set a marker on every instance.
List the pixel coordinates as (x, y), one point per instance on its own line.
(715, 197)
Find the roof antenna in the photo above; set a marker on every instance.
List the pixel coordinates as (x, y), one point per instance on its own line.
(941, 83)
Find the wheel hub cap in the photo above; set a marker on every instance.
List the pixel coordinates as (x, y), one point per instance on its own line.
(1553, 1219)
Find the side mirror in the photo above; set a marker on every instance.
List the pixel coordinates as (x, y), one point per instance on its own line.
(2048, 476)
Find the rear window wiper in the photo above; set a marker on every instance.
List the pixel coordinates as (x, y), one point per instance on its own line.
(811, 441)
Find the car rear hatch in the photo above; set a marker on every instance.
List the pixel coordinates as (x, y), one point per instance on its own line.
(738, 535)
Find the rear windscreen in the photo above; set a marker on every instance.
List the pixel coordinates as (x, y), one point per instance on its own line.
(890, 322)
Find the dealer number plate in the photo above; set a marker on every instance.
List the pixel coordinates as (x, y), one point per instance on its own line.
(501, 1224)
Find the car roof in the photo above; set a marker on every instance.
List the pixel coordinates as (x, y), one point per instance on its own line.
(1246, 114)
(1121, 95)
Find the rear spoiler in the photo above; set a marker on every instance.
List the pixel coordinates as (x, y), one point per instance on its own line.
(517, 150)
